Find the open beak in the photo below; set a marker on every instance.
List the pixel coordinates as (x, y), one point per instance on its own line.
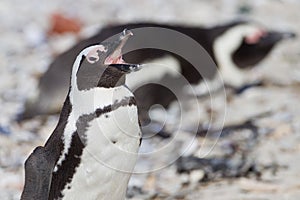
(114, 59)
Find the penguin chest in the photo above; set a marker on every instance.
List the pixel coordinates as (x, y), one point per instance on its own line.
(108, 159)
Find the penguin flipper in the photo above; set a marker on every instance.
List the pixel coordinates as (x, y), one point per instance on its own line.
(38, 174)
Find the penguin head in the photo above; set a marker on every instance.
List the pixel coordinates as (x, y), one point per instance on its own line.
(256, 45)
(242, 45)
(102, 65)
(247, 43)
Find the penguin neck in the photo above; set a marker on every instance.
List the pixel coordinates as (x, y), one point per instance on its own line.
(87, 101)
(111, 78)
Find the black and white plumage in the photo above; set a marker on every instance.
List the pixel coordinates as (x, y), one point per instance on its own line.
(234, 47)
(93, 150)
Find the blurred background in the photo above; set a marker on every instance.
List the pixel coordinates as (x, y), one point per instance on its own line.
(266, 167)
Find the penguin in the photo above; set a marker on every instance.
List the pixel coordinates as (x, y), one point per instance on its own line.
(93, 149)
(234, 47)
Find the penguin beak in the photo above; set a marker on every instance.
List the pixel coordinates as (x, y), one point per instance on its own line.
(288, 35)
(127, 68)
(273, 36)
(114, 59)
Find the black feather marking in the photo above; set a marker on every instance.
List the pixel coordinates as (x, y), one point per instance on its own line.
(82, 122)
(37, 175)
(66, 171)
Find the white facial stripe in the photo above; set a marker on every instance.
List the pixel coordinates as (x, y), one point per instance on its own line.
(93, 54)
(225, 45)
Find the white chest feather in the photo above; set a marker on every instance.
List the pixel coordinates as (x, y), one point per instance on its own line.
(108, 158)
(87, 102)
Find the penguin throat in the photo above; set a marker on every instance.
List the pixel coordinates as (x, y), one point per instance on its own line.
(111, 78)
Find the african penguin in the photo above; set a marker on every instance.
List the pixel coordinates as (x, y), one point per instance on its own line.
(234, 47)
(93, 150)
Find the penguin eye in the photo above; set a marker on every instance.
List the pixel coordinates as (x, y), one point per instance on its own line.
(93, 55)
(255, 37)
(92, 59)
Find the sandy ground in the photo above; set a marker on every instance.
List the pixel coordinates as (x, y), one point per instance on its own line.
(26, 51)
